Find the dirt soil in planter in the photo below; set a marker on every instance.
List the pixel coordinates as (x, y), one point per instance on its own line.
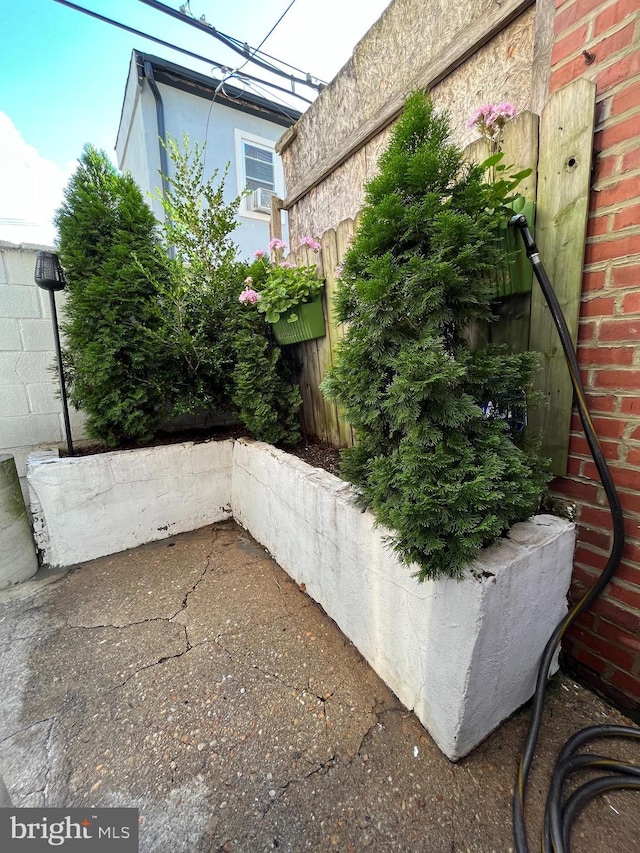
(315, 453)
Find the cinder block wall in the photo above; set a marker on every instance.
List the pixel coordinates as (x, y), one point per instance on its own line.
(600, 41)
(30, 410)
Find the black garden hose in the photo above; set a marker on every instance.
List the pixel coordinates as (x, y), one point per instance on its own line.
(558, 817)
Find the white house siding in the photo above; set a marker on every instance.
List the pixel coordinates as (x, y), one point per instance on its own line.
(138, 152)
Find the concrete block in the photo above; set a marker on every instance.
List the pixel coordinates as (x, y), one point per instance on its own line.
(21, 265)
(10, 334)
(44, 398)
(86, 507)
(462, 655)
(37, 335)
(29, 429)
(13, 401)
(9, 368)
(45, 304)
(34, 367)
(17, 301)
(77, 420)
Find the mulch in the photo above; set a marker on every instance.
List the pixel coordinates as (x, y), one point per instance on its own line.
(316, 453)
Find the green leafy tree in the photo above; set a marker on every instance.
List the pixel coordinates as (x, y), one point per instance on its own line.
(113, 353)
(434, 457)
(227, 355)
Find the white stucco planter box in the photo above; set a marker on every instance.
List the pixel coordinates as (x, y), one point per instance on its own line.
(84, 507)
(462, 655)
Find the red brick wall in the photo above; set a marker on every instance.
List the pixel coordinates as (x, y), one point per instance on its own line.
(600, 40)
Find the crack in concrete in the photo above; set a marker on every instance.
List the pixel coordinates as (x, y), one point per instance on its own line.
(123, 625)
(323, 768)
(207, 564)
(26, 729)
(48, 770)
(158, 662)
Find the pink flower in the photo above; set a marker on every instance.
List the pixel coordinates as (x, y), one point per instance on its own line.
(249, 296)
(310, 242)
(491, 118)
(481, 115)
(276, 243)
(339, 270)
(259, 253)
(248, 281)
(286, 265)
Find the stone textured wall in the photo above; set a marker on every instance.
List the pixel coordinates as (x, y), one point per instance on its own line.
(404, 41)
(600, 41)
(30, 410)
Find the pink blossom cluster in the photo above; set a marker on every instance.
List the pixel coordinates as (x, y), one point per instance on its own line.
(249, 295)
(491, 118)
(277, 245)
(310, 242)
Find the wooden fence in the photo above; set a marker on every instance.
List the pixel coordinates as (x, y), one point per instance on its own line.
(557, 147)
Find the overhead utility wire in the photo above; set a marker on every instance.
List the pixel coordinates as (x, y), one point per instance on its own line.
(222, 66)
(277, 23)
(235, 73)
(233, 44)
(245, 48)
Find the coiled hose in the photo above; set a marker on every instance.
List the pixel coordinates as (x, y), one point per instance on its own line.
(558, 815)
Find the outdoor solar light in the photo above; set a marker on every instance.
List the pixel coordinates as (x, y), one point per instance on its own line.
(49, 275)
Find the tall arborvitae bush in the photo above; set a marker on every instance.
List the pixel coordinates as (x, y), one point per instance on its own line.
(433, 459)
(113, 351)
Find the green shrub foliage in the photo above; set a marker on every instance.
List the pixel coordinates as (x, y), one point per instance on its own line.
(435, 466)
(113, 352)
(227, 354)
(154, 326)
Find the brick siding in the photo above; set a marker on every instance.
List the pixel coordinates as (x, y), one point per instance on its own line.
(600, 40)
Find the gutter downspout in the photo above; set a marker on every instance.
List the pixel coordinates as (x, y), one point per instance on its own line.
(162, 137)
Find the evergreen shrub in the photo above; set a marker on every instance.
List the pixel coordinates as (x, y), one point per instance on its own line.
(154, 326)
(114, 353)
(434, 458)
(227, 355)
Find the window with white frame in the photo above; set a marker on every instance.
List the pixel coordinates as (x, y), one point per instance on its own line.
(258, 171)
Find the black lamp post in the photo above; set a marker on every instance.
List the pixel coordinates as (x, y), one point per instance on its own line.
(49, 275)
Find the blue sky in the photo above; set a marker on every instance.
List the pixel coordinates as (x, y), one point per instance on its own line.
(62, 76)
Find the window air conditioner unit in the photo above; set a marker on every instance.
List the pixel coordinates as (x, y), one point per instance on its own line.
(260, 200)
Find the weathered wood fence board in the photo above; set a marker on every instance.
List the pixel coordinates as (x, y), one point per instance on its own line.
(519, 144)
(564, 174)
(320, 417)
(559, 154)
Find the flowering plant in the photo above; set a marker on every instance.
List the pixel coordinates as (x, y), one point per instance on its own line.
(489, 119)
(280, 285)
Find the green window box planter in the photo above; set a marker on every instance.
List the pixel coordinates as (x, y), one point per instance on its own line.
(309, 325)
(517, 275)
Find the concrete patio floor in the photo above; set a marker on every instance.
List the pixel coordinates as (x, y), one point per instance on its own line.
(192, 679)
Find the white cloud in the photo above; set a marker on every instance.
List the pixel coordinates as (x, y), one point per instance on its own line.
(30, 189)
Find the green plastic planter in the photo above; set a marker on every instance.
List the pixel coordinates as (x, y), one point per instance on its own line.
(517, 275)
(309, 325)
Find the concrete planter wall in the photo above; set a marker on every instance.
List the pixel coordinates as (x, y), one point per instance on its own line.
(462, 655)
(88, 506)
